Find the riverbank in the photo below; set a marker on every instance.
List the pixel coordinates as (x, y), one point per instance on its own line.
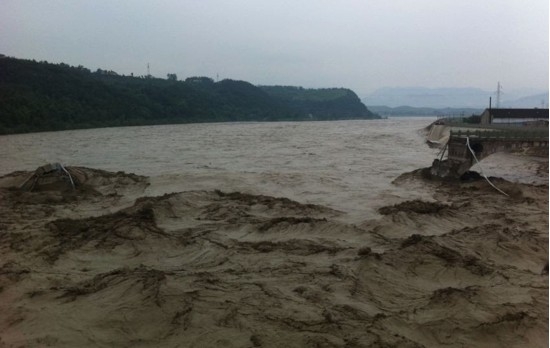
(110, 265)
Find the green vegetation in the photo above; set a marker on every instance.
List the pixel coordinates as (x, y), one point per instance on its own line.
(40, 96)
(474, 119)
(321, 104)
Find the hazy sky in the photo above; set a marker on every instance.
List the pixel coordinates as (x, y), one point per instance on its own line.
(363, 44)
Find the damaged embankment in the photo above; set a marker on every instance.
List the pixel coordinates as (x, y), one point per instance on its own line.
(102, 265)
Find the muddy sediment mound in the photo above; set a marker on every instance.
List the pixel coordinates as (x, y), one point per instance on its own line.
(415, 206)
(293, 246)
(519, 247)
(105, 231)
(57, 184)
(281, 203)
(214, 268)
(443, 286)
(422, 245)
(149, 279)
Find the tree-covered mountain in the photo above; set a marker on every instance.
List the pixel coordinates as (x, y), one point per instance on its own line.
(321, 104)
(40, 96)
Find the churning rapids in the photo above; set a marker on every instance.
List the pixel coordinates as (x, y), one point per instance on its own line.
(346, 165)
(311, 234)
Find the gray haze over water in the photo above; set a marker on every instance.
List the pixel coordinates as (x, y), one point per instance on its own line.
(347, 165)
(362, 45)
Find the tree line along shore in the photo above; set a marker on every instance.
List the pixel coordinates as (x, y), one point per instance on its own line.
(41, 96)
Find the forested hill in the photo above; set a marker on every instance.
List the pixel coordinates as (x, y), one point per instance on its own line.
(40, 96)
(321, 104)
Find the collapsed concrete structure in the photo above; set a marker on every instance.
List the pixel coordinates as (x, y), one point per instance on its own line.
(51, 177)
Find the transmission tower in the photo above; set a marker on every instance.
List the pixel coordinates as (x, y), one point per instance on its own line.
(499, 94)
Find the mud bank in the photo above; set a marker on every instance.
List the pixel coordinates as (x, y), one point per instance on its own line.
(104, 265)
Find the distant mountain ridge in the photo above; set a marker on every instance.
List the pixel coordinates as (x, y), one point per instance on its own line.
(423, 111)
(452, 98)
(531, 101)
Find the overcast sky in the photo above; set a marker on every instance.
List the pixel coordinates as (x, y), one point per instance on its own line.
(363, 44)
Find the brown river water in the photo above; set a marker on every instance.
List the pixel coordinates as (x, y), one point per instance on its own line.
(346, 165)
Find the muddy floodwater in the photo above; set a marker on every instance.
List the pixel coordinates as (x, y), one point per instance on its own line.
(347, 165)
(310, 234)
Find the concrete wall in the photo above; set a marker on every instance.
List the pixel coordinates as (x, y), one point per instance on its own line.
(486, 117)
